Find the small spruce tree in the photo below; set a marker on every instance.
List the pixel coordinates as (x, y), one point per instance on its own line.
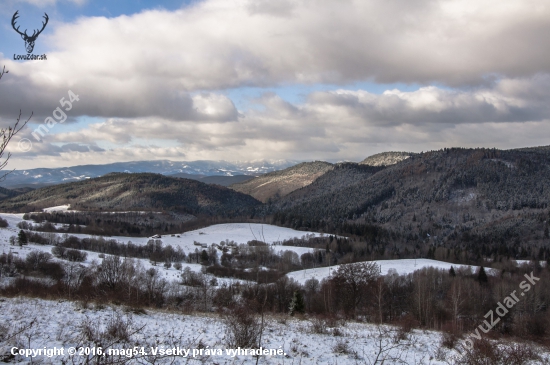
(482, 276)
(452, 272)
(297, 304)
(22, 238)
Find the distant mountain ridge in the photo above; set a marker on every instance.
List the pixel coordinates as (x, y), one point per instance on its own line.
(137, 191)
(48, 176)
(218, 180)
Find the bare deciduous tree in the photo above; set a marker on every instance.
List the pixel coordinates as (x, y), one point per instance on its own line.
(6, 134)
(352, 280)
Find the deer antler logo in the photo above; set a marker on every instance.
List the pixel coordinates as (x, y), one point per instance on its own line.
(29, 40)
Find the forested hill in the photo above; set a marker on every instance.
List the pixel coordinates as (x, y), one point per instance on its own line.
(386, 158)
(142, 191)
(451, 195)
(277, 184)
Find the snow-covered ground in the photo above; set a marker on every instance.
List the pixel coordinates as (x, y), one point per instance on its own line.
(239, 233)
(12, 230)
(59, 324)
(59, 208)
(403, 266)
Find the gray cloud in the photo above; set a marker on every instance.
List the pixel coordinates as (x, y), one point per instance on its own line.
(160, 75)
(336, 125)
(215, 44)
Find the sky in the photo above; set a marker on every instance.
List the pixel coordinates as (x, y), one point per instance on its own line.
(243, 80)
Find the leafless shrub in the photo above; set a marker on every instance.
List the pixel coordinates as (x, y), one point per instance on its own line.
(3, 331)
(118, 331)
(243, 328)
(89, 331)
(483, 352)
(318, 325)
(449, 340)
(520, 354)
(35, 259)
(343, 348)
(119, 328)
(333, 321)
(400, 335)
(386, 350)
(135, 310)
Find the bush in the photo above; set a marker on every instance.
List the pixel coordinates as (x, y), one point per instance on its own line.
(242, 328)
(342, 347)
(318, 325)
(3, 223)
(118, 328)
(449, 340)
(59, 251)
(76, 255)
(37, 259)
(485, 352)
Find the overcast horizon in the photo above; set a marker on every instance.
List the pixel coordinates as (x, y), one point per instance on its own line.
(242, 80)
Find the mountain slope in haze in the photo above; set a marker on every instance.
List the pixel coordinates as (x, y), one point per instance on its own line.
(124, 191)
(218, 180)
(7, 193)
(458, 196)
(280, 183)
(386, 158)
(39, 177)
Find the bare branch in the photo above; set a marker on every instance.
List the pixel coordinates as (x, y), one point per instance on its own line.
(6, 134)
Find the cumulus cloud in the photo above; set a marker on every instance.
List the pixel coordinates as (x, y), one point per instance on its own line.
(215, 44)
(335, 125)
(44, 3)
(162, 74)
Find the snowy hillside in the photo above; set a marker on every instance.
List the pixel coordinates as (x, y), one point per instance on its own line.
(60, 324)
(240, 233)
(404, 266)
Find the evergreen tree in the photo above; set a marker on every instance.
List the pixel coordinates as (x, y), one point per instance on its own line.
(452, 272)
(482, 276)
(204, 257)
(22, 238)
(297, 304)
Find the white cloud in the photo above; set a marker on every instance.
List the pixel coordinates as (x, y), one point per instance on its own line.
(336, 125)
(147, 64)
(44, 3)
(161, 74)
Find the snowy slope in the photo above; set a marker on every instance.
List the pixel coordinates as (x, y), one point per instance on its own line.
(58, 324)
(404, 266)
(240, 233)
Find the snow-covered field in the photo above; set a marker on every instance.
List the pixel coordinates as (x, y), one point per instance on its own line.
(401, 267)
(59, 324)
(239, 233)
(59, 208)
(12, 230)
